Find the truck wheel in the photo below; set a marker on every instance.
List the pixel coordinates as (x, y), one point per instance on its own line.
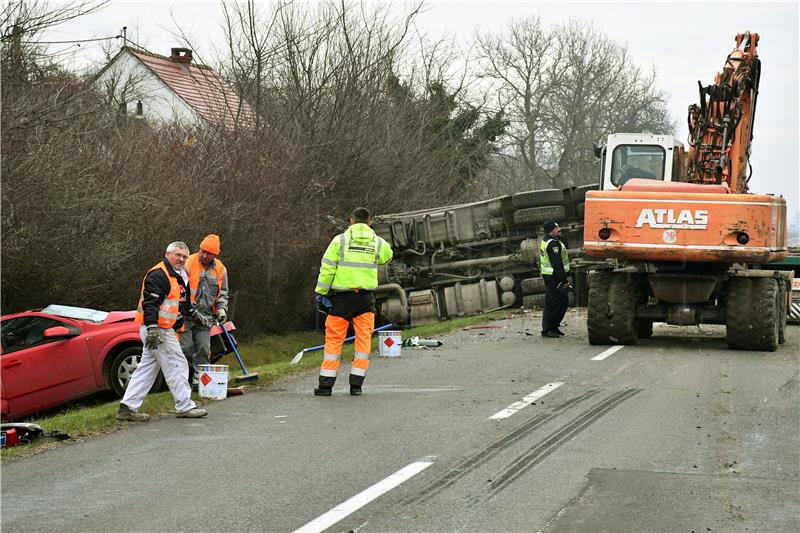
(537, 215)
(597, 323)
(533, 301)
(622, 299)
(537, 198)
(782, 291)
(644, 329)
(753, 321)
(533, 286)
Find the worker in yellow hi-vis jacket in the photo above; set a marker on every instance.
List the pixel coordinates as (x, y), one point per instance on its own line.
(346, 285)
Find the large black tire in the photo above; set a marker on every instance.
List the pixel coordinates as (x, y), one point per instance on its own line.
(537, 198)
(612, 308)
(644, 328)
(122, 366)
(580, 209)
(753, 321)
(537, 215)
(533, 286)
(533, 301)
(782, 291)
(597, 307)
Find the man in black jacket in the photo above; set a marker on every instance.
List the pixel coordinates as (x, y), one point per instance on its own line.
(163, 306)
(554, 265)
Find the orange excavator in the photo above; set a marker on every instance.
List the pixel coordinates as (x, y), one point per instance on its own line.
(683, 239)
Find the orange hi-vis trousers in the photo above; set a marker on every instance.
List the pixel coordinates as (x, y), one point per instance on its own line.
(335, 333)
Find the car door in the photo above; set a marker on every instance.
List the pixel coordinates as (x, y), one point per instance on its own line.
(39, 372)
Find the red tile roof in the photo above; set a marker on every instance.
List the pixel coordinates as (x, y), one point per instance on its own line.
(202, 89)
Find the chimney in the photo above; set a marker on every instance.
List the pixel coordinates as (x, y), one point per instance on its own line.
(181, 55)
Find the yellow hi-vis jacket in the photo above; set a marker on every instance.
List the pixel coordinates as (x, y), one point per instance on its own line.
(351, 261)
(544, 260)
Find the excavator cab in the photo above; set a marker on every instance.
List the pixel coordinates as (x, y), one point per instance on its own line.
(640, 155)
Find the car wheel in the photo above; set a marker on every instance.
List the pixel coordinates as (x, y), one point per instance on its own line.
(122, 366)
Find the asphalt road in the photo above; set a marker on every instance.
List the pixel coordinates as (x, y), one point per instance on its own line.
(675, 434)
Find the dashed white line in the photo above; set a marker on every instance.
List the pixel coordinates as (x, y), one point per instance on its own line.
(610, 351)
(526, 401)
(344, 509)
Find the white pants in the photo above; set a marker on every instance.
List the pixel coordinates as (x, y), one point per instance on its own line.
(169, 359)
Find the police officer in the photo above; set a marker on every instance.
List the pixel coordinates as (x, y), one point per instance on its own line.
(554, 265)
(346, 286)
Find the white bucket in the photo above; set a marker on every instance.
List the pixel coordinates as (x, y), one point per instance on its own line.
(213, 382)
(389, 343)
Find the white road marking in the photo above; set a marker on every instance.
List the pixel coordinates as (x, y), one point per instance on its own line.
(526, 401)
(344, 509)
(610, 351)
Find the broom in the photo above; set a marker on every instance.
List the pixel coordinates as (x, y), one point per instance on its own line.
(246, 376)
(301, 353)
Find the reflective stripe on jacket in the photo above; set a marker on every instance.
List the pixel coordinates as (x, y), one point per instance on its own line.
(208, 286)
(545, 267)
(169, 310)
(351, 260)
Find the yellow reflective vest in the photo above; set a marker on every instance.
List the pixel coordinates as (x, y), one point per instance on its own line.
(544, 260)
(351, 261)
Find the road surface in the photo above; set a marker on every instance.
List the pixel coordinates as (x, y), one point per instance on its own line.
(498, 430)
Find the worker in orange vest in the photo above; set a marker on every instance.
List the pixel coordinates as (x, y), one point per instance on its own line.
(163, 306)
(208, 288)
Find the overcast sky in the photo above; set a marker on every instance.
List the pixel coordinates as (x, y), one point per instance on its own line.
(685, 41)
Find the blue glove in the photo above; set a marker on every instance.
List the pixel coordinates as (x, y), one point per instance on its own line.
(323, 300)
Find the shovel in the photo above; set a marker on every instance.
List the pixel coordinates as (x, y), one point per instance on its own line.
(301, 353)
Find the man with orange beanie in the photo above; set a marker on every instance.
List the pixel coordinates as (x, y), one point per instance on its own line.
(348, 277)
(208, 285)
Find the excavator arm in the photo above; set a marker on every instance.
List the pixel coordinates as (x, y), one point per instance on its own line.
(721, 126)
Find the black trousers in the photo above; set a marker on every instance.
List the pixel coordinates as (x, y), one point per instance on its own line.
(556, 303)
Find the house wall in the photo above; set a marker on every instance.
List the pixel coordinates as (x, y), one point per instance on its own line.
(128, 80)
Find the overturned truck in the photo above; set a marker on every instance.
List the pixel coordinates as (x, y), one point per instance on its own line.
(472, 258)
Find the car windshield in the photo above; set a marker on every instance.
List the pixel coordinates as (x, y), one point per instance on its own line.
(637, 161)
(78, 313)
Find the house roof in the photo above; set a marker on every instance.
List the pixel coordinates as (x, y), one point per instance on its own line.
(201, 88)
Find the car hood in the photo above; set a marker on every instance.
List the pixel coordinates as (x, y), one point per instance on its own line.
(119, 316)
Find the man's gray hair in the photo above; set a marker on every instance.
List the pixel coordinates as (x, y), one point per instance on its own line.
(177, 245)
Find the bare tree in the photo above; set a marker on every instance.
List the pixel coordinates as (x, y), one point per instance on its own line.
(562, 89)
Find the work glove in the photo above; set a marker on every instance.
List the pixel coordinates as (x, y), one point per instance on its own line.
(564, 287)
(222, 316)
(323, 300)
(200, 319)
(154, 338)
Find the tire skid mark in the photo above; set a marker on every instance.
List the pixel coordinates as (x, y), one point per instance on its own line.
(472, 462)
(540, 452)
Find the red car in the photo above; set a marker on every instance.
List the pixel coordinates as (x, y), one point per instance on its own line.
(61, 353)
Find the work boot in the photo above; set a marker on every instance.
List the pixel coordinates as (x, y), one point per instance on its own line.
(560, 333)
(550, 334)
(325, 386)
(197, 412)
(355, 391)
(126, 413)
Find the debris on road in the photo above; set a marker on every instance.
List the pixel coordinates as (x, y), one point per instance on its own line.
(416, 342)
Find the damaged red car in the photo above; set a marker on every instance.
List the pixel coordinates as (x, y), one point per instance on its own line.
(61, 353)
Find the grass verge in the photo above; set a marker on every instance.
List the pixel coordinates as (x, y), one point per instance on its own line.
(269, 356)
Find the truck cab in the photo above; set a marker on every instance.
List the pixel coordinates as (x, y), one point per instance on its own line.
(640, 155)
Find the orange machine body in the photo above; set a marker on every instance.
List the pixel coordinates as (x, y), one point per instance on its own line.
(667, 221)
